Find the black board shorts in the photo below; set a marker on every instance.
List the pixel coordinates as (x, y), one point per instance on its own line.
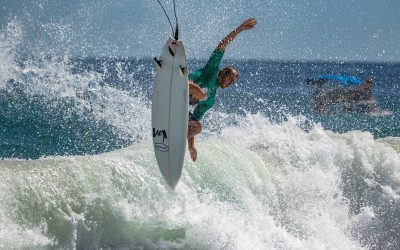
(191, 117)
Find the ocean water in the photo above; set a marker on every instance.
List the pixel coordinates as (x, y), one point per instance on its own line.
(78, 171)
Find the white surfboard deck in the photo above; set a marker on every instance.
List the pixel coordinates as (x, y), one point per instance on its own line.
(170, 110)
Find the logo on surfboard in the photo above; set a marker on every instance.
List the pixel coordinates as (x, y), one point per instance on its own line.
(160, 146)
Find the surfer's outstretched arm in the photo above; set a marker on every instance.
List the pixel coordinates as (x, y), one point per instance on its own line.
(246, 25)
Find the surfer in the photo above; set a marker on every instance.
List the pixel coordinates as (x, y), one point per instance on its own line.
(204, 82)
(350, 97)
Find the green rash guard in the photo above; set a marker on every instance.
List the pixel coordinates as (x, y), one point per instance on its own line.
(207, 77)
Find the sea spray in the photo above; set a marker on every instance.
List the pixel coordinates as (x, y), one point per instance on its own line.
(55, 104)
(288, 189)
(271, 174)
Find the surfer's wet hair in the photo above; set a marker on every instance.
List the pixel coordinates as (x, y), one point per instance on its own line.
(310, 81)
(318, 82)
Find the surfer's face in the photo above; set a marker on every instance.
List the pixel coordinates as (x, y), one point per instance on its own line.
(227, 76)
(366, 86)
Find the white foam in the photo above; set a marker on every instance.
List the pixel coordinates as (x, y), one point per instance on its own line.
(258, 185)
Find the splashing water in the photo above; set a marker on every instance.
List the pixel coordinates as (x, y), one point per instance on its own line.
(282, 189)
(270, 174)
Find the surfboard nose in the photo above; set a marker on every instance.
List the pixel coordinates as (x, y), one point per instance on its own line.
(174, 44)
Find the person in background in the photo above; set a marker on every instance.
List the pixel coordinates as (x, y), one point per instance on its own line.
(349, 96)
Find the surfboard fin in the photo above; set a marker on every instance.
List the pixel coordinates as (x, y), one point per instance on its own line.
(158, 62)
(171, 51)
(182, 70)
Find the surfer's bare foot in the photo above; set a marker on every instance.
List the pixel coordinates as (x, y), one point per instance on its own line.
(193, 153)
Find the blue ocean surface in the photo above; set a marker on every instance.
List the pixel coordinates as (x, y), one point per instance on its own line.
(78, 171)
(71, 119)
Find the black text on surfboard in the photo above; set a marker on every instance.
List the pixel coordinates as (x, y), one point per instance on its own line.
(160, 146)
(162, 133)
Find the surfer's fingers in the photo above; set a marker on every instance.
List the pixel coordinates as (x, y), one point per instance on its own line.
(249, 23)
(252, 19)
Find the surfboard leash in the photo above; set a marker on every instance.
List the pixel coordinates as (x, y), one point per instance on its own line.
(175, 33)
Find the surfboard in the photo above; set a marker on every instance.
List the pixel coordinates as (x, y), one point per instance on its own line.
(170, 110)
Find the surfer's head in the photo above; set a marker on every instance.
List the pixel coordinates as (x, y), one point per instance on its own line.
(367, 84)
(227, 76)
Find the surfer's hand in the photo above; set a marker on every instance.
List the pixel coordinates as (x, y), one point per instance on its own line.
(205, 91)
(193, 153)
(196, 92)
(248, 24)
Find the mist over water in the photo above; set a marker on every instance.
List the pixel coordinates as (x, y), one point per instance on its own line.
(78, 170)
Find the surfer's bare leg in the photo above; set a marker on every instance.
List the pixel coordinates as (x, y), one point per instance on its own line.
(193, 130)
(192, 149)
